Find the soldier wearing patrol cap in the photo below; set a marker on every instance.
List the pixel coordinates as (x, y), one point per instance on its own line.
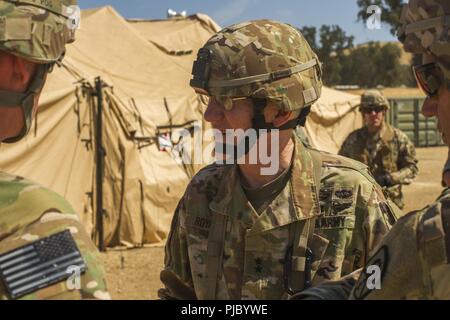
(413, 260)
(238, 233)
(45, 253)
(387, 151)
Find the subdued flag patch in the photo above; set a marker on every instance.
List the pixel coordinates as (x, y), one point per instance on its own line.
(40, 264)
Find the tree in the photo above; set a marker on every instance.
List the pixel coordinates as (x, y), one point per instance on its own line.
(333, 42)
(371, 65)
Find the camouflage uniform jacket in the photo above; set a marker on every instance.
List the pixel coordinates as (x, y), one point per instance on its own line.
(414, 257)
(389, 152)
(352, 218)
(29, 212)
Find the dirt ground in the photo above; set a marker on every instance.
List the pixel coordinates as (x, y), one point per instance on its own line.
(134, 274)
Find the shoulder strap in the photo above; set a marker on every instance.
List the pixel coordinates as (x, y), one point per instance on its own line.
(214, 254)
(446, 226)
(298, 273)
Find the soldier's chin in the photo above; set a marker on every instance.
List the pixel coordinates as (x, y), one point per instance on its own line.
(445, 139)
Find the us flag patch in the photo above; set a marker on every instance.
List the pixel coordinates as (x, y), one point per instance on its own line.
(40, 264)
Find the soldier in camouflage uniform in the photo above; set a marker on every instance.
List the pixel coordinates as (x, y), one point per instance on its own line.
(45, 252)
(240, 234)
(413, 260)
(387, 151)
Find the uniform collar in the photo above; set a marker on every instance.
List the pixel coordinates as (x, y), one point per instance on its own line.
(386, 133)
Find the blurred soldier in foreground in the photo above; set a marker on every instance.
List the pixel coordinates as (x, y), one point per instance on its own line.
(387, 151)
(413, 261)
(45, 253)
(240, 233)
(446, 172)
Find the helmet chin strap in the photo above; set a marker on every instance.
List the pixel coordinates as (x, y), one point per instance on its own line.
(25, 100)
(259, 123)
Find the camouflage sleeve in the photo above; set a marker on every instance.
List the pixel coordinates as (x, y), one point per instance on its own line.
(29, 213)
(176, 275)
(371, 218)
(356, 215)
(348, 148)
(330, 290)
(407, 161)
(375, 215)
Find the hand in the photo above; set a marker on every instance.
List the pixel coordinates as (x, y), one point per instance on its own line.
(385, 180)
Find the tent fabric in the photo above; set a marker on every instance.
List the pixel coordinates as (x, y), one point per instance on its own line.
(146, 93)
(333, 117)
(146, 67)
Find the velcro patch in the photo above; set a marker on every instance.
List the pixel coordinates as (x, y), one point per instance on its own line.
(198, 222)
(15, 28)
(344, 193)
(40, 264)
(309, 95)
(336, 222)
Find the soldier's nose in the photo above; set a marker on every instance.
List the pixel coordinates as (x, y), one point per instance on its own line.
(214, 112)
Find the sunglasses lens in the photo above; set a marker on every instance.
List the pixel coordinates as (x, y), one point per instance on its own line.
(373, 109)
(428, 79)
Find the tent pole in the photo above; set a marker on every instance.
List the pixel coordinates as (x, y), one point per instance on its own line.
(99, 157)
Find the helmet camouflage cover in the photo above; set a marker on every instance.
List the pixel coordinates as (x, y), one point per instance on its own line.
(373, 98)
(37, 31)
(261, 59)
(426, 29)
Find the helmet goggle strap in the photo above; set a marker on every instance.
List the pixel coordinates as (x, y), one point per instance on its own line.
(25, 100)
(201, 72)
(428, 78)
(259, 121)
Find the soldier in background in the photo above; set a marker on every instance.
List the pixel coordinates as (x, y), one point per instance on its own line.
(45, 252)
(387, 151)
(238, 233)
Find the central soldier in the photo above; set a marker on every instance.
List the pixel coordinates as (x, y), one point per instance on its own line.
(238, 233)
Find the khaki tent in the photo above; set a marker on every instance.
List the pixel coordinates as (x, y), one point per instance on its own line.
(146, 66)
(146, 99)
(333, 117)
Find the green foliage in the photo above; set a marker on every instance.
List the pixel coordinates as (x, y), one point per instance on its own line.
(373, 64)
(368, 65)
(333, 42)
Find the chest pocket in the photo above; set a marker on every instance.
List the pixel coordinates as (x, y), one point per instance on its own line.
(389, 155)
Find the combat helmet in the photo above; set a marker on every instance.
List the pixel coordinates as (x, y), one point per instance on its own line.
(373, 98)
(38, 32)
(426, 29)
(261, 59)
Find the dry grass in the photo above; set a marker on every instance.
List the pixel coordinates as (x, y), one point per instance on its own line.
(134, 274)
